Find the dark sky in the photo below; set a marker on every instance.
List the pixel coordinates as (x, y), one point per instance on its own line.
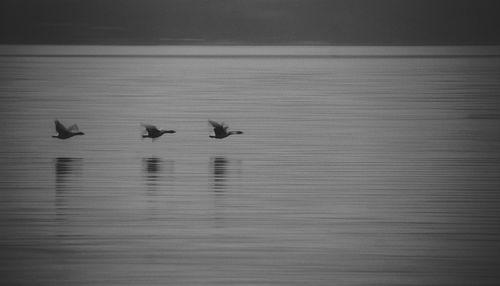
(250, 21)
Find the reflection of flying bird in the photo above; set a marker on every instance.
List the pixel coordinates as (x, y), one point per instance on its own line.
(153, 132)
(65, 133)
(220, 130)
(153, 164)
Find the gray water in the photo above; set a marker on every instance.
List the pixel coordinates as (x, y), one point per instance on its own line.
(358, 166)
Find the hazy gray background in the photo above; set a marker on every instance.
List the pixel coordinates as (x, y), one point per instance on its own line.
(378, 22)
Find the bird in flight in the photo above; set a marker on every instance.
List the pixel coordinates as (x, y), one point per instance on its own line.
(153, 132)
(65, 133)
(220, 130)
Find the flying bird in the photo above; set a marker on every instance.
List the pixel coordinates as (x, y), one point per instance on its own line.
(65, 133)
(153, 132)
(220, 130)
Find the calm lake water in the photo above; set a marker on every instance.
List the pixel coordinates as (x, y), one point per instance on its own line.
(358, 166)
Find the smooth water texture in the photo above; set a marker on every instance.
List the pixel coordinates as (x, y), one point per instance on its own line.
(353, 169)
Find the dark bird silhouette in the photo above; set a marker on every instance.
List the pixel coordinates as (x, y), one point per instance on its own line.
(65, 133)
(153, 132)
(220, 130)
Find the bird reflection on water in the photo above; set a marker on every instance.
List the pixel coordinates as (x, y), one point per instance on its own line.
(67, 176)
(225, 175)
(219, 171)
(152, 167)
(66, 168)
(157, 171)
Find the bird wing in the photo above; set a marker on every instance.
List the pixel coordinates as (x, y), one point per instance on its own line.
(219, 128)
(150, 128)
(215, 124)
(60, 127)
(73, 127)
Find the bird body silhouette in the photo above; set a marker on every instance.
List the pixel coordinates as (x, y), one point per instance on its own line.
(65, 133)
(220, 130)
(153, 132)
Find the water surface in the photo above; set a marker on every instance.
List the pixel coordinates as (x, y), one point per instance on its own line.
(357, 167)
